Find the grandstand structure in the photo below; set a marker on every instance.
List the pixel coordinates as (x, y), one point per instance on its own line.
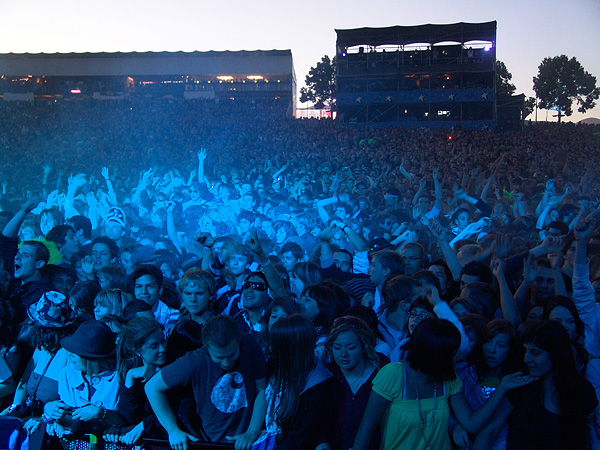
(209, 75)
(436, 76)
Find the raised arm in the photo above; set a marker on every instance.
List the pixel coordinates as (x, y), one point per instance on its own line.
(112, 196)
(321, 204)
(11, 229)
(171, 229)
(508, 305)
(279, 172)
(273, 278)
(546, 197)
(326, 258)
(422, 184)
(437, 185)
(482, 206)
(355, 239)
(439, 234)
(201, 157)
(145, 181)
(75, 182)
(486, 188)
(528, 278)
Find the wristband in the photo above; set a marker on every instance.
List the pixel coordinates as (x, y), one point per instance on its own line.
(46, 418)
(338, 198)
(12, 407)
(344, 228)
(103, 414)
(265, 264)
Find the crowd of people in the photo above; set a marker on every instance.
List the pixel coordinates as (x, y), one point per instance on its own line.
(222, 272)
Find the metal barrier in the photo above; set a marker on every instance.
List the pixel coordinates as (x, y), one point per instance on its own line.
(91, 442)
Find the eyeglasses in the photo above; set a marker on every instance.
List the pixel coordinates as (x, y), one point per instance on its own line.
(421, 316)
(255, 285)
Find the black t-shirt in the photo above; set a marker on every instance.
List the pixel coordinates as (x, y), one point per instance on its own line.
(224, 399)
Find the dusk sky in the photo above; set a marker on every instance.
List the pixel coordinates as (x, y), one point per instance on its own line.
(528, 30)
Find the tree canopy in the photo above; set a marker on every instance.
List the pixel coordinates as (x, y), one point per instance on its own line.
(529, 106)
(503, 77)
(320, 84)
(560, 81)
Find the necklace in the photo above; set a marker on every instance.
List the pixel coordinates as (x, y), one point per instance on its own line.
(421, 418)
(358, 381)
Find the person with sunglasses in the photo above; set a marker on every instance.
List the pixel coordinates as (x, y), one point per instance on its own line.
(253, 302)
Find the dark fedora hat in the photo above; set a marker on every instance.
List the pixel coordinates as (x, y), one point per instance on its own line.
(93, 339)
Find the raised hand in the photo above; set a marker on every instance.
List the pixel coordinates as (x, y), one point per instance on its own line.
(583, 230)
(52, 197)
(253, 243)
(551, 244)
(437, 231)
(528, 270)
(498, 267)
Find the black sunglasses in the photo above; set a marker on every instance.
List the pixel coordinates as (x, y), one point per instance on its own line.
(255, 285)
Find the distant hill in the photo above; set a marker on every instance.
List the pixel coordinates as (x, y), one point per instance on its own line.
(590, 121)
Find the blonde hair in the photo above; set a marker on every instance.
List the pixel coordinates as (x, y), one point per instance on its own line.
(113, 299)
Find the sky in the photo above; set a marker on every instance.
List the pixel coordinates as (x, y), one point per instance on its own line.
(528, 30)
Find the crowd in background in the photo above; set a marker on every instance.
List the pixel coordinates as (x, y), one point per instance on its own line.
(193, 270)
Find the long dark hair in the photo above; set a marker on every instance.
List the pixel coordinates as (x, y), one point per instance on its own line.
(580, 351)
(137, 332)
(325, 298)
(293, 340)
(514, 359)
(552, 337)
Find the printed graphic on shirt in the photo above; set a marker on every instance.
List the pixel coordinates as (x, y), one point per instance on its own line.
(229, 393)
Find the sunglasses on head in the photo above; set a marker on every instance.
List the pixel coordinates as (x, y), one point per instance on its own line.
(255, 285)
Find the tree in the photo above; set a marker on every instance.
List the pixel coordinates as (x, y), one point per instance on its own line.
(503, 77)
(320, 84)
(560, 81)
(529, 107)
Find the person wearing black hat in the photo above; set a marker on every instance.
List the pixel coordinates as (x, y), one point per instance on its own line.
(88, 386)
